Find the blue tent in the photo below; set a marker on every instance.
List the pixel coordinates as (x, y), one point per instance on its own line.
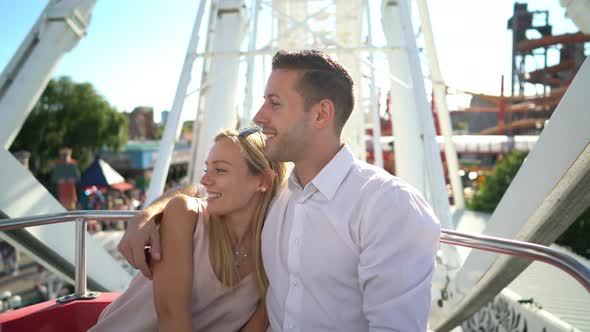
(101, 174)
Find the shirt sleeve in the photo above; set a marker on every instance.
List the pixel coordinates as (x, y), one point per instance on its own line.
(399, 240)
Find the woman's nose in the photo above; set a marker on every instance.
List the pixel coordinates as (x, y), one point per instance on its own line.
(205, 180)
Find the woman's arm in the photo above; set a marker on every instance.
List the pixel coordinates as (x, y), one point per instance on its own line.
(173, 273)
(259, 321)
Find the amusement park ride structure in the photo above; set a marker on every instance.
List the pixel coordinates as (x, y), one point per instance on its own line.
(555, 178)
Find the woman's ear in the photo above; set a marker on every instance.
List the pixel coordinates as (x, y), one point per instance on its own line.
(268, 178)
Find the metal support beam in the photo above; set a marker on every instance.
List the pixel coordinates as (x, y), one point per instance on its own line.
(220, 109)
(51, 245)
(248, 111)
(555, 179)
(409, 145)
(59, 28)
(375, 116)
(173, 124)
(440, 100)
(349, 22)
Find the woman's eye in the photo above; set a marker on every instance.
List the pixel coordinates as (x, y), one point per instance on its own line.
(219, 170)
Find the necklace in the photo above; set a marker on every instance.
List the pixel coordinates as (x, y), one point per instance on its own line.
(240, 254)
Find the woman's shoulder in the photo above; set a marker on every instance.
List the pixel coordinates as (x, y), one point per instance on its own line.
(186, 204)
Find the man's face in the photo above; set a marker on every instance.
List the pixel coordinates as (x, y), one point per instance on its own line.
(283, 118)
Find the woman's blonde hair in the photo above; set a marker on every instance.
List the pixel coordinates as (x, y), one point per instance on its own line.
(252, 147)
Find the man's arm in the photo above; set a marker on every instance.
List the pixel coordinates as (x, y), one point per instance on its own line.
(142, 230)
(398, 247)
(259, 320)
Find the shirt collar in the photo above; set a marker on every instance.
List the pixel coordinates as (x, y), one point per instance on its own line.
(332, 175)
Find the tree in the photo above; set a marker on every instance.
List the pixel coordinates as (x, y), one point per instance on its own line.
(577, 235)
(70, 114)
(488, 196)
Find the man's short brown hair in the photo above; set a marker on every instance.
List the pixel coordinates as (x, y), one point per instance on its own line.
(323, 78)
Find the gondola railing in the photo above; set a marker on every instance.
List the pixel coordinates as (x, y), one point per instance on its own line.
(522, 249)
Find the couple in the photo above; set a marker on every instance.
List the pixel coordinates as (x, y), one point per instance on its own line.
(345, 246)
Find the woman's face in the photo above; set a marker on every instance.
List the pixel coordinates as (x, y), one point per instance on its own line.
(230, 186)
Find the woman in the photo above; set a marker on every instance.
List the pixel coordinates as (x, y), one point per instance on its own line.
(210, 276)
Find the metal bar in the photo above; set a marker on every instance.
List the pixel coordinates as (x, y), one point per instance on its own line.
(297, 24)
(55, 218)
(172, 127)
(440, 100)
(377, 150)
(517, 248)
(335, 49)
(248, 113)
(271, 51)
(522, 249)
(80, 272)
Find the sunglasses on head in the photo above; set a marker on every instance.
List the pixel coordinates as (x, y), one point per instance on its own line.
(249, 131)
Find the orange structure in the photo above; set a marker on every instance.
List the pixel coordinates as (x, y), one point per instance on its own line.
(533, 45)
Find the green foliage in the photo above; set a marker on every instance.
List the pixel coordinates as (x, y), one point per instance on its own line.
(577, 236)
(159, 131)
(70, 114)
(187, 127)
(487, 197)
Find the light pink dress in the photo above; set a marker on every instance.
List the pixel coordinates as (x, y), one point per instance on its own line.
(215, 306)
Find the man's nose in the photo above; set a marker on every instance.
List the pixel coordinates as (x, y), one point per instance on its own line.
(260, 117)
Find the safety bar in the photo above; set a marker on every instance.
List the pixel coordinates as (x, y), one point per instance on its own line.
(522, 249)
(80, 217)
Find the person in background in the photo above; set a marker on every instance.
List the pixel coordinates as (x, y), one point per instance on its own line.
(66, 175)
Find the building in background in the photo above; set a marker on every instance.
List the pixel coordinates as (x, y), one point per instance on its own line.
(141, 124)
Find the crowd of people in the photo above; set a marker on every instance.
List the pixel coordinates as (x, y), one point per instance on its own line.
(9, 258)
(95, 199)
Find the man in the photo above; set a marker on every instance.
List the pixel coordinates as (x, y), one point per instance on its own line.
(346, 246)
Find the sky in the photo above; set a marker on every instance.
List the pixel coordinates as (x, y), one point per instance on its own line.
(134, 49)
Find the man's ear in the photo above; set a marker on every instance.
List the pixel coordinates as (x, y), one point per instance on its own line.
(325, 112)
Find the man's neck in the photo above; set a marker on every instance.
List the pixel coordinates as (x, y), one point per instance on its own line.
(315, 160)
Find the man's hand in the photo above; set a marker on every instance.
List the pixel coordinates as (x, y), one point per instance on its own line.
(141, 230)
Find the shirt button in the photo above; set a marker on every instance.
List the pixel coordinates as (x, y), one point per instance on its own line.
(290, 325)
(295, 283)
(297, 242)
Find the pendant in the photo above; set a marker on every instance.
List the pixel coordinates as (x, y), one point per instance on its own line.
(240, 255)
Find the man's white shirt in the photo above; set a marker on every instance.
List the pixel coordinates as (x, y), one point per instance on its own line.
(352, 251)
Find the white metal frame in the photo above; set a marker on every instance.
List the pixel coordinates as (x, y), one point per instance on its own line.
(173, 124)
(549, 179)
(59, 28)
